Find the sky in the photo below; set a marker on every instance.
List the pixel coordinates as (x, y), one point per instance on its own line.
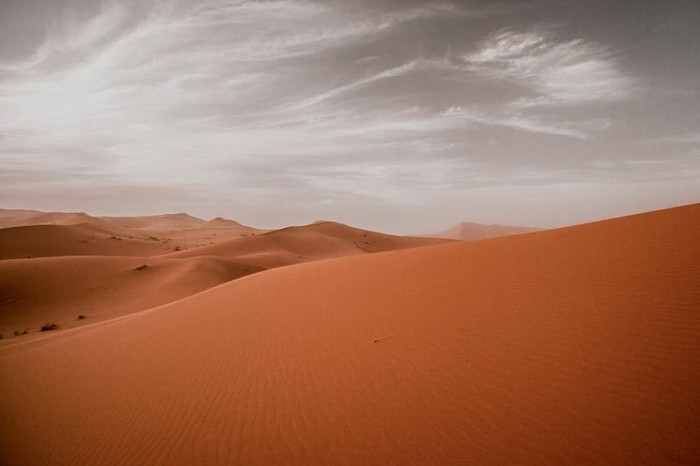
(398, 116)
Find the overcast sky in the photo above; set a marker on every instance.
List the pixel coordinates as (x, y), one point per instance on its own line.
(400, 116)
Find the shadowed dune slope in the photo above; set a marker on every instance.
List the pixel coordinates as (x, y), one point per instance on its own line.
(59, 289)
(570, 346)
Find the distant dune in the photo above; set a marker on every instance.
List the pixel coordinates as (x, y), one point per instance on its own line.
(18, 217)
(570, 346)
(159, 222)
(476, 231)
(28, 233)
(222, 222)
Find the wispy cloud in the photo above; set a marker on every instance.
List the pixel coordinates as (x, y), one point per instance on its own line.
(169, 95)
(553, 73)
(530, 123)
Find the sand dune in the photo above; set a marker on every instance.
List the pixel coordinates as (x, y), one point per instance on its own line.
(113, 281)
(475, 231)
(570, 346)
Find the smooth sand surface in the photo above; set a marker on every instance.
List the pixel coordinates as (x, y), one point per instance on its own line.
(570, 346)
(79, 270)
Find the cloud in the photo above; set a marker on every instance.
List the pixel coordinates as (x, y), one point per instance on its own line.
(554, 73)
(529, 123)
(183, 87)
(296, 101)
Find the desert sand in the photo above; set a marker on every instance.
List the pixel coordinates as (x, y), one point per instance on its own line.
(570, 346)
(108, 267)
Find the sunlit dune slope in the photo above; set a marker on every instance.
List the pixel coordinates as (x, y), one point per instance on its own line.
(571, 346)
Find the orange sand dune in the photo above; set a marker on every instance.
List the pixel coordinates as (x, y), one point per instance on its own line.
(39, 291)
(570, 346)
(476, 231)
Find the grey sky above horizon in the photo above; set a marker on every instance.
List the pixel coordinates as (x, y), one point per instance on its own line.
(398, 116)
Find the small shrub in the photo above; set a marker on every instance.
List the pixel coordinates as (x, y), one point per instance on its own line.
(81, 317)
(49, 326)
(141, 267)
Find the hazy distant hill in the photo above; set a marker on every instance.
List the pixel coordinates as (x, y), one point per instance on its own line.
(474, 231)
